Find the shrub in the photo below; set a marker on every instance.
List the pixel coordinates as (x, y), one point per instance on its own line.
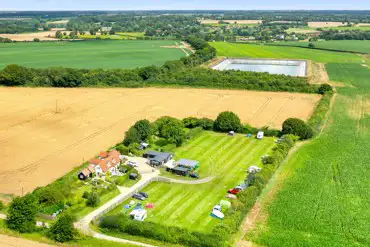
(22, 214)
(62, 230)
(227, 121)
(93, 199)
(2, 206)
(49, 195)
(267, 160)
(85, 195)
(297, 127)
(248, 129)
(161, 142)
(206, 123)
(193, 132)
(122, 149)
(270, 132)
(190, 122)
(324, 88)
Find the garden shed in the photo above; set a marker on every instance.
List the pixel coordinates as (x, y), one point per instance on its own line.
(190, 164)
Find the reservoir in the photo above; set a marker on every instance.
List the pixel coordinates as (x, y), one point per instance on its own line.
(285, 67)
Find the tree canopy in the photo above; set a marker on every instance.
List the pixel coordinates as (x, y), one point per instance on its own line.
(227, 121)
(22, 213)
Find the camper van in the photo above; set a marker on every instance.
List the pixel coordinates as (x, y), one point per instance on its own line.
(138, 214)
(260, 135)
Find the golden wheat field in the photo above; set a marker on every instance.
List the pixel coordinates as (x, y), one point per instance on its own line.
(45, 132)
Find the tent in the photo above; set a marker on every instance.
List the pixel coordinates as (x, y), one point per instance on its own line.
(225, 204)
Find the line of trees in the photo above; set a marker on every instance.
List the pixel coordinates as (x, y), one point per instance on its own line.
(345, 35)
(184, 72)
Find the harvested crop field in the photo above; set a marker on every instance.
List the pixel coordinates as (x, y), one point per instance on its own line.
(45, 132)
(43, 36)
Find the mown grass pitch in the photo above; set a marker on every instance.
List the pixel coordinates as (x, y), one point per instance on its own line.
(89, 54)
(224, 157)
(265, 51)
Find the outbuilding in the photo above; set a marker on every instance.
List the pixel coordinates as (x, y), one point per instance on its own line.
(157, 158)
(180, 171)
(190, 164)
(86, 173)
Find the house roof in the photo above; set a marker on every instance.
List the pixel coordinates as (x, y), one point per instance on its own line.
(103, 154)
(91, 168)
(187, 163)
(94, 161)
(158, 156)
(180, 169)
(104, 165)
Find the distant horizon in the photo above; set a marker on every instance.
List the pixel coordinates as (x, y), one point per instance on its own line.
(153, 5)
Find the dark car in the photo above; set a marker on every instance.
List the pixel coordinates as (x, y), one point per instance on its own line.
(194, 175)
(144, 194)
(139, 196)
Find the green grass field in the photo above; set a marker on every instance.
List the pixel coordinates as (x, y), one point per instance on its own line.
(89, 54)
(281, 52)
(325, 200)
(224, 157)
(363, 28)
(362, 46)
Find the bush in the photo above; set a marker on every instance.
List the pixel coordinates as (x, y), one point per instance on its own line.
(270, 132)
(2, 206)
(131, 136)
(49, 195)
(297, 127)
(324, 88)
(85, 195)
(93, 199)
(62, 230)
(248, 129)
(161, 142)
(206, 123)
(227, 121)
(122, 149)
(193, 133)
(22, 214)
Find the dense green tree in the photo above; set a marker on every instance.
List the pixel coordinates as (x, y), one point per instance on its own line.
(324, 88)
(131, 136)
(297, 127)
(227, 121)
(22, 214)
(14, 75)
(170, 128)
(58, 35)
(49, 195)
(62, 230)
(93, 199)
(2, 206)
(144, 129)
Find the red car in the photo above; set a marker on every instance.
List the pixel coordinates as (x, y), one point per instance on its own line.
(234, 191)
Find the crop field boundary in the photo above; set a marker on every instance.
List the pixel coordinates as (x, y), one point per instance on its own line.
(258, 214)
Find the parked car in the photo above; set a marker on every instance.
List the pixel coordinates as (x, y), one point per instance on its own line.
(234, 191)
(139, 197)
(144, 194)
(254, 169)
(218, 208)
(132, 163)
(194, 175)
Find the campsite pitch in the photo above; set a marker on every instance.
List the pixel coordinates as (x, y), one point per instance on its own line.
(224, 157)
(45, 132)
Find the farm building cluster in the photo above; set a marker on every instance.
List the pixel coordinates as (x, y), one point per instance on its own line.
(183, 167)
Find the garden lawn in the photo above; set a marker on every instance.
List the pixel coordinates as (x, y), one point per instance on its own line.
(325, 201)
(89, 54)
(281, 52)
(224, 157)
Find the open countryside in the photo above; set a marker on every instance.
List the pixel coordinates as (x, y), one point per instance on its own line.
(89, 54)
(70, 125)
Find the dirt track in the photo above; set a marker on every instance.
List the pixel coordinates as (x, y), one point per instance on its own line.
(45, 132)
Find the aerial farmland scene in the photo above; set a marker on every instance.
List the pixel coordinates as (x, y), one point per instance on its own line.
(184, 124)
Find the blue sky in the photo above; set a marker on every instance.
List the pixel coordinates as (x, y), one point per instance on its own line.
(181, 4)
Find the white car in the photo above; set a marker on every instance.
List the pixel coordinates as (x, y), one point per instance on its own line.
(254, 169)
(218, 208)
